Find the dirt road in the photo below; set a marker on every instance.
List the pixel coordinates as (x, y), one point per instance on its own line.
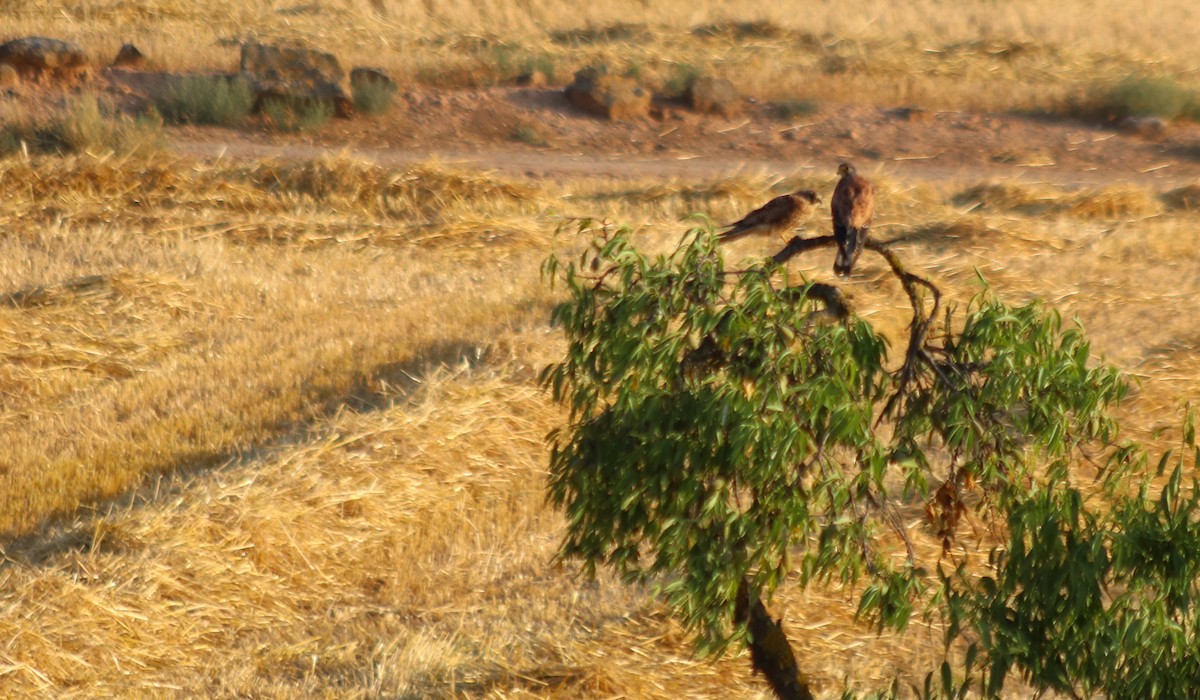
(477, 128)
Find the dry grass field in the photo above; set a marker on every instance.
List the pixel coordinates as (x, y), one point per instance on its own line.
(1022, 54)
(271, 427)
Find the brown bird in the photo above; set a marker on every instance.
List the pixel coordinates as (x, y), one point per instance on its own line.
(852, 206)
(774, 217)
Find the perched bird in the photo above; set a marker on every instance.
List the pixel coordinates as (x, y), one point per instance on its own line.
(774, 217)
(852, 205)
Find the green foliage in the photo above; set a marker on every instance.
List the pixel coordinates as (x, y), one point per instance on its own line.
(372, 97)
(291, 115)
(528, 134)
(725, 431)
(87, 124)
(790, 109)
(679, 77)
(1138, 96)
(199, 99)
(1098, 601)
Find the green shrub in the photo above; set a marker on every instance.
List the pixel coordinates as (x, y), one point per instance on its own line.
(199, 99)
(528, 134)
(1145, 97)
(372, 97)
(294, 114)
(681, 75)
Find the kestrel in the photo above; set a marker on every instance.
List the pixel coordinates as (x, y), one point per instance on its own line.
(852, 206)
(776, 216)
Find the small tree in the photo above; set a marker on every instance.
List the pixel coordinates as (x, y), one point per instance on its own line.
(727, 431)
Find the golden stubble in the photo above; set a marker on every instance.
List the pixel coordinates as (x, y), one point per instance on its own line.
(297, 403)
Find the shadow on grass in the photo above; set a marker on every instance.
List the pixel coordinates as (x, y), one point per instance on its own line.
(382, 387)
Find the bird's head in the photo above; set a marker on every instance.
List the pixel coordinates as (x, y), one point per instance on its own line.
(846, 169)
(808, 195)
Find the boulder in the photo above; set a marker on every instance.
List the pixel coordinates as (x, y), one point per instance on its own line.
(129, 57)
(609, 96)
(371, 76)
(295, 74)
(37, 58)
(709, 95)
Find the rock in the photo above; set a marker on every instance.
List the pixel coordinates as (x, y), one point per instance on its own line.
(9, 78)
(1150, 126)
(36, 57)
(609, 96)
(709, 95)
(371, 76)
(129, 57)
(911, 114)
(293, 73)
(533, 79)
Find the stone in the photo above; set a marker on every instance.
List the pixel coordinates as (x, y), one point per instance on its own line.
(533, 79)
(129, 57)
(293, 73)
(37, 58)
(708, 95)
(911, 114)
(609, 96)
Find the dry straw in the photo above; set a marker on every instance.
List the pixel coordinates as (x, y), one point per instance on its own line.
(297, 401)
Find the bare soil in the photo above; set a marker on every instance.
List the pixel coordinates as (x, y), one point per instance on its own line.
(493, 127)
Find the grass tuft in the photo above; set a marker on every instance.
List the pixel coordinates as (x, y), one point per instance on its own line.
(372, 97)
(200, 99)
(1139, 96)
(608, 34)
(529, 135)
(790, 109)
(87, 125)
(293, 115)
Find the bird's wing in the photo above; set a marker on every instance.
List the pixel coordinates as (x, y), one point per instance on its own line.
(778, 211)
(853, 202)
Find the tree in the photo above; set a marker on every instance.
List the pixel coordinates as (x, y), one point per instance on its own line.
(727, 431)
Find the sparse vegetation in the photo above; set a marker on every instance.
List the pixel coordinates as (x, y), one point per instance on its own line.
(87, 124)
(790, 109)
(1139, 96)
(373, 97)
(528, 135)
(292, 115)
(203, 99)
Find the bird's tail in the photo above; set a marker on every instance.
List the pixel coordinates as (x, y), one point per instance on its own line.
(849, 248)
(733, 234)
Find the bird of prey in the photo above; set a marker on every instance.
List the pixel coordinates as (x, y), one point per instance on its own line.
(774, 217)
(852, 205)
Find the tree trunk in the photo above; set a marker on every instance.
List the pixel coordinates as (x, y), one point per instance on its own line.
(770, 651)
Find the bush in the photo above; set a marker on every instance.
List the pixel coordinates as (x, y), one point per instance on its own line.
(292, 115)
(1146, 97)
(371, 97)
(528, 134)
(196, 99)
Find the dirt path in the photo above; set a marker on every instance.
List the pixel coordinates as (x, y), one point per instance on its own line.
(484, 128)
